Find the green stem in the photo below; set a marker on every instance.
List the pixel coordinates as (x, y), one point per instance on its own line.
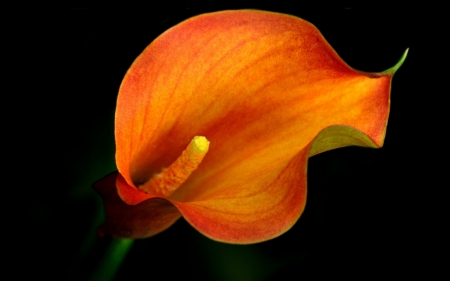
(112, 259)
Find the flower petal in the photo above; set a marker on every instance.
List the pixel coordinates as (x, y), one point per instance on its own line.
(260, 87)
(260, 210)
(142, 220)
(271, 203)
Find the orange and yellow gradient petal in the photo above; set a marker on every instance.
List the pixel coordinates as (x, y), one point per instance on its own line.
(265, 91)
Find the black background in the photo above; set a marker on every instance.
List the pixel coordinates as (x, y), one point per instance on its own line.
(365, 212)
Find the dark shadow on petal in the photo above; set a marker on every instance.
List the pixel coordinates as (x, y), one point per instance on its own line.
(139, 221)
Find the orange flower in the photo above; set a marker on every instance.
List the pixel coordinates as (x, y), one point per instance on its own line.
(216, 119)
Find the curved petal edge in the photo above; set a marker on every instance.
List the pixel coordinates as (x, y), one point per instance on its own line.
(133, 221)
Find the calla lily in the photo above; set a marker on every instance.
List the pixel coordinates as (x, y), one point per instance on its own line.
(216, 119)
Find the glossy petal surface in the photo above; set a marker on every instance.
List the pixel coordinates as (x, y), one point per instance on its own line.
(267, 91)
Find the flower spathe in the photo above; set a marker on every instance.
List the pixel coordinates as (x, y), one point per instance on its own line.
(264, 91)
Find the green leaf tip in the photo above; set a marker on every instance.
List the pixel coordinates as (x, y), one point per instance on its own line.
(393, 69)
